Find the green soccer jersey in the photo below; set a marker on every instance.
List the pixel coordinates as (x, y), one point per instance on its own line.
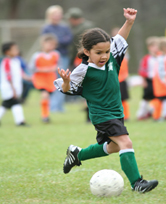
(100, 85)
(102, 92)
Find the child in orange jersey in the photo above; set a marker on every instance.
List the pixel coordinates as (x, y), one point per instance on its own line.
(123, 74)
(146, 70)
(44, 65)
(159, 82)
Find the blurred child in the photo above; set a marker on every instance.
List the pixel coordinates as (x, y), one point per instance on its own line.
(123, 74)
(44, 65)
(146, 70)
(11, 83)
(159, 82)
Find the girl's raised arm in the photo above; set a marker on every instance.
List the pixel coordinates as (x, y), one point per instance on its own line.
(130, 15)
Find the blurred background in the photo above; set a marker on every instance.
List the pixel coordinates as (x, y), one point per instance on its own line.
(22, 21)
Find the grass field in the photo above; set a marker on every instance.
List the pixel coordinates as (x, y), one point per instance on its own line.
(31, 158)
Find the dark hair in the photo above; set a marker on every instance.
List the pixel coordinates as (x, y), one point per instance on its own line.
(6, 47)
(90, 38)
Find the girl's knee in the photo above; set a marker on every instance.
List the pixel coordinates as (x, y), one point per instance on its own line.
(129, 144)
(123, 141)
(126, 143)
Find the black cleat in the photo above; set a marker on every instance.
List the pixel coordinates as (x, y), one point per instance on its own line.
(71, 159)
(144, 186)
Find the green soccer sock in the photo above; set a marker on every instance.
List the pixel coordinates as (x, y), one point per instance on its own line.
(129, 165)
(93, 151)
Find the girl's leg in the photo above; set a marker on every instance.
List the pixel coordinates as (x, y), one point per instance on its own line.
(96, 150)
(129, 165)
(44, 105)
(127, 158)
(112, 148)
(75, 154)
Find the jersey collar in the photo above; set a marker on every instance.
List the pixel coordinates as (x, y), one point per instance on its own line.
(95, 66)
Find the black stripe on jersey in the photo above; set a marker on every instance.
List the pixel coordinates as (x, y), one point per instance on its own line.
(119, 58)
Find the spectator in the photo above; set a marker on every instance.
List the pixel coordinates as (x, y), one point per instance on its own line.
(78, 26)
(54, 15)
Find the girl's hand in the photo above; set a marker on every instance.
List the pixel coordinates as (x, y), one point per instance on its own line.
(65, 75)
(130, 14)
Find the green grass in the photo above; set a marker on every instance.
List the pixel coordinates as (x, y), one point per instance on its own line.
(31, 158)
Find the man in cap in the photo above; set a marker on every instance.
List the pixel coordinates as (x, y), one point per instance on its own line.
(78, 25)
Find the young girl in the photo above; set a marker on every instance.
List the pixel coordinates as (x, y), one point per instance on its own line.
(44, 64)
(97, 81)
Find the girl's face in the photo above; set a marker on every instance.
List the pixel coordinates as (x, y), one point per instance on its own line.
(99, 54)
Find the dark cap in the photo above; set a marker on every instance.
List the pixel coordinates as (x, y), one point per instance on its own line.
(74, 13)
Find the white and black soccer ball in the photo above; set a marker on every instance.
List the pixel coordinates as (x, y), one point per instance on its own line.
(106, 183)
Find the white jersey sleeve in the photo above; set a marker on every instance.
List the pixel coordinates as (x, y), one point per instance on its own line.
(32, 63)
(118, 48)
(77, 77)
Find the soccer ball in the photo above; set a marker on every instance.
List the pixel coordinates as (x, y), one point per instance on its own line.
(106, 183)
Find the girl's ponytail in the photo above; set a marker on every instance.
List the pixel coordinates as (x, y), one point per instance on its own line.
(81, 54)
